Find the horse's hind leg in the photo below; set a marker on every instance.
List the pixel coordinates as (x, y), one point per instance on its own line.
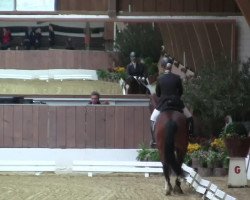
(177, 187)
(168, 186)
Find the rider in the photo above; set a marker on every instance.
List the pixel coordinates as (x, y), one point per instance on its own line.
(135, 68)
(169, 90)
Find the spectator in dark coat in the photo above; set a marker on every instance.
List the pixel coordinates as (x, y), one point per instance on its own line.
(51, 36)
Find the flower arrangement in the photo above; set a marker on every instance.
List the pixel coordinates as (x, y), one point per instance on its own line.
(213, 155)
(218, 144)
(234, 130)
(192, 147)
(119, 69)
(112, 74)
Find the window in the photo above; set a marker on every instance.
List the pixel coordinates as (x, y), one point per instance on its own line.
(27, 5)
(7, 5)
(35, 5)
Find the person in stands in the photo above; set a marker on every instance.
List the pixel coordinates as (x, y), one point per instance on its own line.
(69, 44)
(51, 37)
(94, 98)
(38, 38)
(29, 38)
(6, 39)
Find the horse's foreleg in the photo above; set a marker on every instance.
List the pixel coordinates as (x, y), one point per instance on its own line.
(168, 186)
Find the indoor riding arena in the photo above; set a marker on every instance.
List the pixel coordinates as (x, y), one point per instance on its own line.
(57, 143)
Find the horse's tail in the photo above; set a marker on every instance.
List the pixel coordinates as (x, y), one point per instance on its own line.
(170, 158)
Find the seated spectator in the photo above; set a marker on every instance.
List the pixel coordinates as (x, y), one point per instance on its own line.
(51, 36)
(94, 98)
(38, 38)
(69, 44)
(6, 39)
(29, 38)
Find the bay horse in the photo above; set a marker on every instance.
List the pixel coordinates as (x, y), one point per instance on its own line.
(171, 133)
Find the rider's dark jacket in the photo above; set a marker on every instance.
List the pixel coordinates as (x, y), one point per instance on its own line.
(169, 90)
(139, 70)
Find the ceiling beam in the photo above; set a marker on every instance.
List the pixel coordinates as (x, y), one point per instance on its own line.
(244, 6)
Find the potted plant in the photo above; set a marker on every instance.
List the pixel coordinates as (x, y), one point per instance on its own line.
(203, 169)
(145, 154)
(236, 140)
(192, 153)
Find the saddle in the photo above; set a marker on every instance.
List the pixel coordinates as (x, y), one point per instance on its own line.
(172, 103)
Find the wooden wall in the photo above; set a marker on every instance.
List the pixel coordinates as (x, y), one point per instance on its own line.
(178, 5)
(204, 42)
(42, 126)
(56, 59)
(152, 5)
(83, 5)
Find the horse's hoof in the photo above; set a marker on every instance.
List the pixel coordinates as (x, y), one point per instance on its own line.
(168, 193)
(178, 190)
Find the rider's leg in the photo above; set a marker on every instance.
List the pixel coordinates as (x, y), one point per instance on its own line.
(190, 121)
(153, 118)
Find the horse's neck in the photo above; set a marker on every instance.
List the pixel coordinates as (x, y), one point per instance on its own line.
(151, 88)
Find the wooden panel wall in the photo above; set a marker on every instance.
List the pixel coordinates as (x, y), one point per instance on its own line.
(151, 5)
(56, 59)
(178, 5)
(86, 5)
(204, 42)
(42, 126)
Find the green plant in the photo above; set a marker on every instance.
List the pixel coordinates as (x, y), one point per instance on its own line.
(152, 67)
(142, 38)
(226, 161)
(102, 74)
(211, 158)
(145, 154)
(233, 130)
(188, 159)
(218, 90)
(112, 76)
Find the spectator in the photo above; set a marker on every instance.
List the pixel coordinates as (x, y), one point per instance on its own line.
(6, 39)
(69, 44)
(38, 38)
(95, 98)
(51, 36)
(29, 39)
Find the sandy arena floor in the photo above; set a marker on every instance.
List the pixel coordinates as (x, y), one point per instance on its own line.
(99, 187)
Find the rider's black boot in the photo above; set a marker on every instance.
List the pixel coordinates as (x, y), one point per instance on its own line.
(190, 122)
(152, 130)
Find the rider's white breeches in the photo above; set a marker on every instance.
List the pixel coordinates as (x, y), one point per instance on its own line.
(186, 112)
(156, 113)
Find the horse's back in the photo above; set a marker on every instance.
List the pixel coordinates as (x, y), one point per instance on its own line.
(181, 134)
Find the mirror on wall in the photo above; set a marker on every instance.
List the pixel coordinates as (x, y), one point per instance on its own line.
(64, 33)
